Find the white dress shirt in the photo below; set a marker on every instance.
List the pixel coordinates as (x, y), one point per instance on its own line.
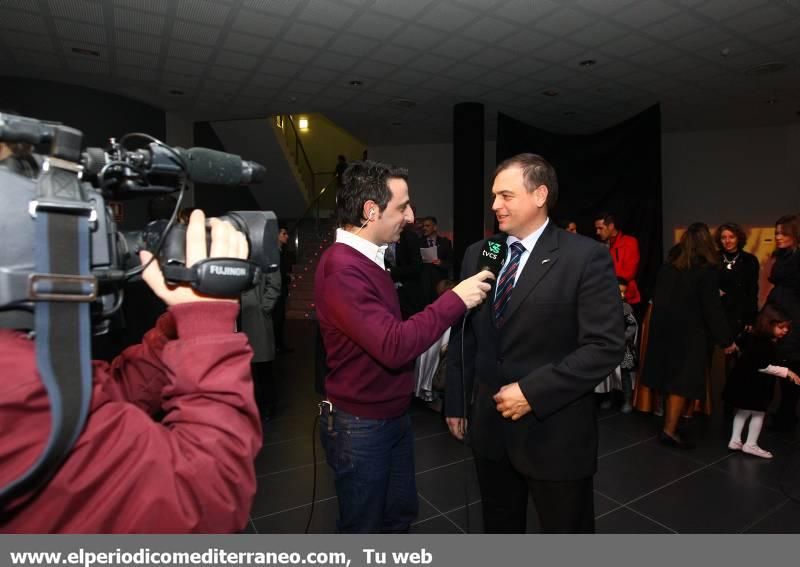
(372, 251)
(528, 242)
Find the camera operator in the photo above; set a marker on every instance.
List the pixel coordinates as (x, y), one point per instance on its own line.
(192, 471)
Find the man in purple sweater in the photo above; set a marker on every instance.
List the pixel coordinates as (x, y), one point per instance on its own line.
(365, 426)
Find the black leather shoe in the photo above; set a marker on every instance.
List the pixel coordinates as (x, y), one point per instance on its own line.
(674, 442)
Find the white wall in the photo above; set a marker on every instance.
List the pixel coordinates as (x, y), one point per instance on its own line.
(255, 140)
(430, 177)
(748, 176)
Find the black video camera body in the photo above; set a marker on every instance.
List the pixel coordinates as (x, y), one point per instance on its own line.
(76, 183)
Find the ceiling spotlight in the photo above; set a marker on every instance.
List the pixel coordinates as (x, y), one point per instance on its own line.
(303, 123)
(87, 52)
(588, 63)
(550, 93)
(356, 83)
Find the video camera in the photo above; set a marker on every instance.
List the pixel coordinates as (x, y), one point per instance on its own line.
(63, 263)
(81, 183)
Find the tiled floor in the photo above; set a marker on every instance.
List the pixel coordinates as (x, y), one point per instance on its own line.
(641, 486)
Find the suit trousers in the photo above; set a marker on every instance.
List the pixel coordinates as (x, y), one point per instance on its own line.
(562, 506)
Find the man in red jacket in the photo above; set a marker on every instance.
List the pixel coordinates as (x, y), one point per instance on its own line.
(624, 252)
(364, 425)
(192, 471)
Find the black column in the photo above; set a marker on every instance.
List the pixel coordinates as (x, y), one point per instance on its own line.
(468, 189)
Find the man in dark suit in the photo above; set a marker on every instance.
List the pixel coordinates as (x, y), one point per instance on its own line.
(534, 356)
(405, 266)
(444, 248)
(434, 271)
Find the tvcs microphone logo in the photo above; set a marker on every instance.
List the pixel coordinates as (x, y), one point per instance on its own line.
(493, 251)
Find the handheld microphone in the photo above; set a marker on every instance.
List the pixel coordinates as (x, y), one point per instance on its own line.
(492, 256)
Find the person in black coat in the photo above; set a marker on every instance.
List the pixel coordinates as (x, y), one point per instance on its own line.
(287, 260)
(687, 321)
(785, 275)
(404, 263)
(752, 382)
(738, 278)
(439, 269)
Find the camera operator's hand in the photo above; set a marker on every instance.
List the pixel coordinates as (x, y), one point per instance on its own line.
(226, 242)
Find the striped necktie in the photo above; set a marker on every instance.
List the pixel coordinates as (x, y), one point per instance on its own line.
(506, 282)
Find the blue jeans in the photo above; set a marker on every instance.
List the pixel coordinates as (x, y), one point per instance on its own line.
(373, 464)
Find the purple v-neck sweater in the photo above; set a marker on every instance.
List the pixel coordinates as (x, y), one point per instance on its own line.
(370, 349)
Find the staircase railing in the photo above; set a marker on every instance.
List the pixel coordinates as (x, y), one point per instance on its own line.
(311, 216)
(308, 235)
(285, 123)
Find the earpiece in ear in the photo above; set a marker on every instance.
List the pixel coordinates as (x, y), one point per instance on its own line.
(371, 212)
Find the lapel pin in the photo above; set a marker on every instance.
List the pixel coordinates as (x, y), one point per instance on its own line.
(545, 260)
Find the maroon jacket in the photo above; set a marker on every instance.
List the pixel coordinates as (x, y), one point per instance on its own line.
(192, 472)
(370, 349)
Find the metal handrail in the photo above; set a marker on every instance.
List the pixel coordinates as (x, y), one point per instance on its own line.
(298, 144)
(312, 210)
(314, 204)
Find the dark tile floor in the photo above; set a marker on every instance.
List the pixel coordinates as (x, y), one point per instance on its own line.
(641, 486)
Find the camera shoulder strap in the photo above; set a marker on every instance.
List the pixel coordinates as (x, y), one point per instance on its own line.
(62, 289)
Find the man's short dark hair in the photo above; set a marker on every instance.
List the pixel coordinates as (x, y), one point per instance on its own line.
(606, 217)
(364, 181)
(536, 171)
(432, 219)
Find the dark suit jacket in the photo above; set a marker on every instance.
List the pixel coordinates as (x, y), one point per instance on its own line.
(562, 334)
(445, 253)
(431, 274)
(256, 316)
(407, 271)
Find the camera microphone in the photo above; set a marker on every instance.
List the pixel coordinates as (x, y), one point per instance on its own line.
(201, 165)
(219, 168)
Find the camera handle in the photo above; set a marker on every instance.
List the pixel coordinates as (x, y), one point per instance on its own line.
(61, 288)
(217, 277)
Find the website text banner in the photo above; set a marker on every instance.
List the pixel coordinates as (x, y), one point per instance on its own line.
(391, 551)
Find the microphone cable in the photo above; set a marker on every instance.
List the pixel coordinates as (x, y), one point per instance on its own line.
(466, 421)
(314, 475)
